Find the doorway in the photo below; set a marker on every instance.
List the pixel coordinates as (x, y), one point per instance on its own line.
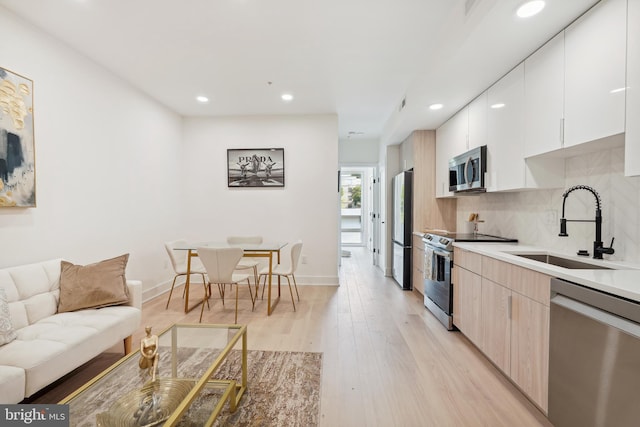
(356, 206)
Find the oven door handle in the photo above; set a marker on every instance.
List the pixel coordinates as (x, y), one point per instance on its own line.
(442, 253)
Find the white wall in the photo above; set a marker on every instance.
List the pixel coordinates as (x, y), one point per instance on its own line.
(534, 217)
(107, 163)
(116, 172)
(306, 208)
(356, 151)
(392, 168)
(406, 154)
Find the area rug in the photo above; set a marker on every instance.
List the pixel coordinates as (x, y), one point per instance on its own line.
(283, 390)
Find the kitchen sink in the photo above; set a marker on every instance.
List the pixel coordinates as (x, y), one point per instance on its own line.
(563, 262)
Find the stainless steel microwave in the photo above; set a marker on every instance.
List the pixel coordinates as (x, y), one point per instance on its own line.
(466, 171)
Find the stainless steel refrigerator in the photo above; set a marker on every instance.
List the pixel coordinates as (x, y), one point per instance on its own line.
(402, 228)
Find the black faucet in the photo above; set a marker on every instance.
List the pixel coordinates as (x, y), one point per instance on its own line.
(598, 249)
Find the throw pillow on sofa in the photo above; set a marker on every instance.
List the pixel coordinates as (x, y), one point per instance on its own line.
(7, 334)
(92, 286)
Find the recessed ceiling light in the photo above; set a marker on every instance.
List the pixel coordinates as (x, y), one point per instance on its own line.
(530, 8)
(498, 105)
(202, 99)
(287, 97)
(435, 106)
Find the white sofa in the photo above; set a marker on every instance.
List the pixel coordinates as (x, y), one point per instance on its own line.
(50, 344)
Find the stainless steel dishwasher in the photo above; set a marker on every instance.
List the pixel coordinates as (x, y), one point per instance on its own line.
(594, 358)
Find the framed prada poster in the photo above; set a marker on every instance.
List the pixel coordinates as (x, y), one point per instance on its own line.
(255, 167)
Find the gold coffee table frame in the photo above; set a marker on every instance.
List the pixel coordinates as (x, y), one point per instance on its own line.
(233, 391)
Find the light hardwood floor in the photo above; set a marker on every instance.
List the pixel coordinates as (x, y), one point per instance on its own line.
(386, 360)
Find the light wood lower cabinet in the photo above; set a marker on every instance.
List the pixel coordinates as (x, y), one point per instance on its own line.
(467, 303)
(530, 348)
(496, 328)
(418, 264)
(515, 337)
(468, 260)
(504, 311)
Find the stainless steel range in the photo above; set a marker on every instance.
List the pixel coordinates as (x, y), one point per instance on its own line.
(438, 263)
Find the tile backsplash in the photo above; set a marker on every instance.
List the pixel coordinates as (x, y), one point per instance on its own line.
(533, 217)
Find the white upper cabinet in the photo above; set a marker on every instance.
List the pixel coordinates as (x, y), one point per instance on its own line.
(544, 98)
(459, 125)
(595, 55)
(477, 135)
(505, 156)
(582, 86)
(632, 136)
(451, 140)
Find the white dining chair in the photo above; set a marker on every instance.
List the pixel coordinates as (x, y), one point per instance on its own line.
(285, 271)
(179, 263)
(220, 264)
(247, 263)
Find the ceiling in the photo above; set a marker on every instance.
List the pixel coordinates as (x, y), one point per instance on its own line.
(356, 58)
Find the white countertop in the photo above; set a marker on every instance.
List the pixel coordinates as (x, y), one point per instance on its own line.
(624, 281)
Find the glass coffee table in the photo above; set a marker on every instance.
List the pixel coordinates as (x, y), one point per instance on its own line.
(199, 370)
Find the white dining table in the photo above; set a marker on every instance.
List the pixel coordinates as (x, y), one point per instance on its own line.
(253, 250)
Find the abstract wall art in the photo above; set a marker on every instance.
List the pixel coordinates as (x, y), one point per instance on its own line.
(255, 167)
(17, 149)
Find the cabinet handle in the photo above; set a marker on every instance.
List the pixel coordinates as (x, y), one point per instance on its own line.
(562, 132)
(510, 306)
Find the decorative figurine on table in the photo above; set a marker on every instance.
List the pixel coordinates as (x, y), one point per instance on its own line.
(149, 353)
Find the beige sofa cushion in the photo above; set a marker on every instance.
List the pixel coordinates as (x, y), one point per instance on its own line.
(25, 286)
(40, 306)
(12, 384)
(95, 285)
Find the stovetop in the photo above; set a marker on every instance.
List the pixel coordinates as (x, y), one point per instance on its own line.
(445, 240)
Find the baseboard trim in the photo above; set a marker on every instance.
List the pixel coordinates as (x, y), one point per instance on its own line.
(164, 287)
(317, 280)
(159, 289)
